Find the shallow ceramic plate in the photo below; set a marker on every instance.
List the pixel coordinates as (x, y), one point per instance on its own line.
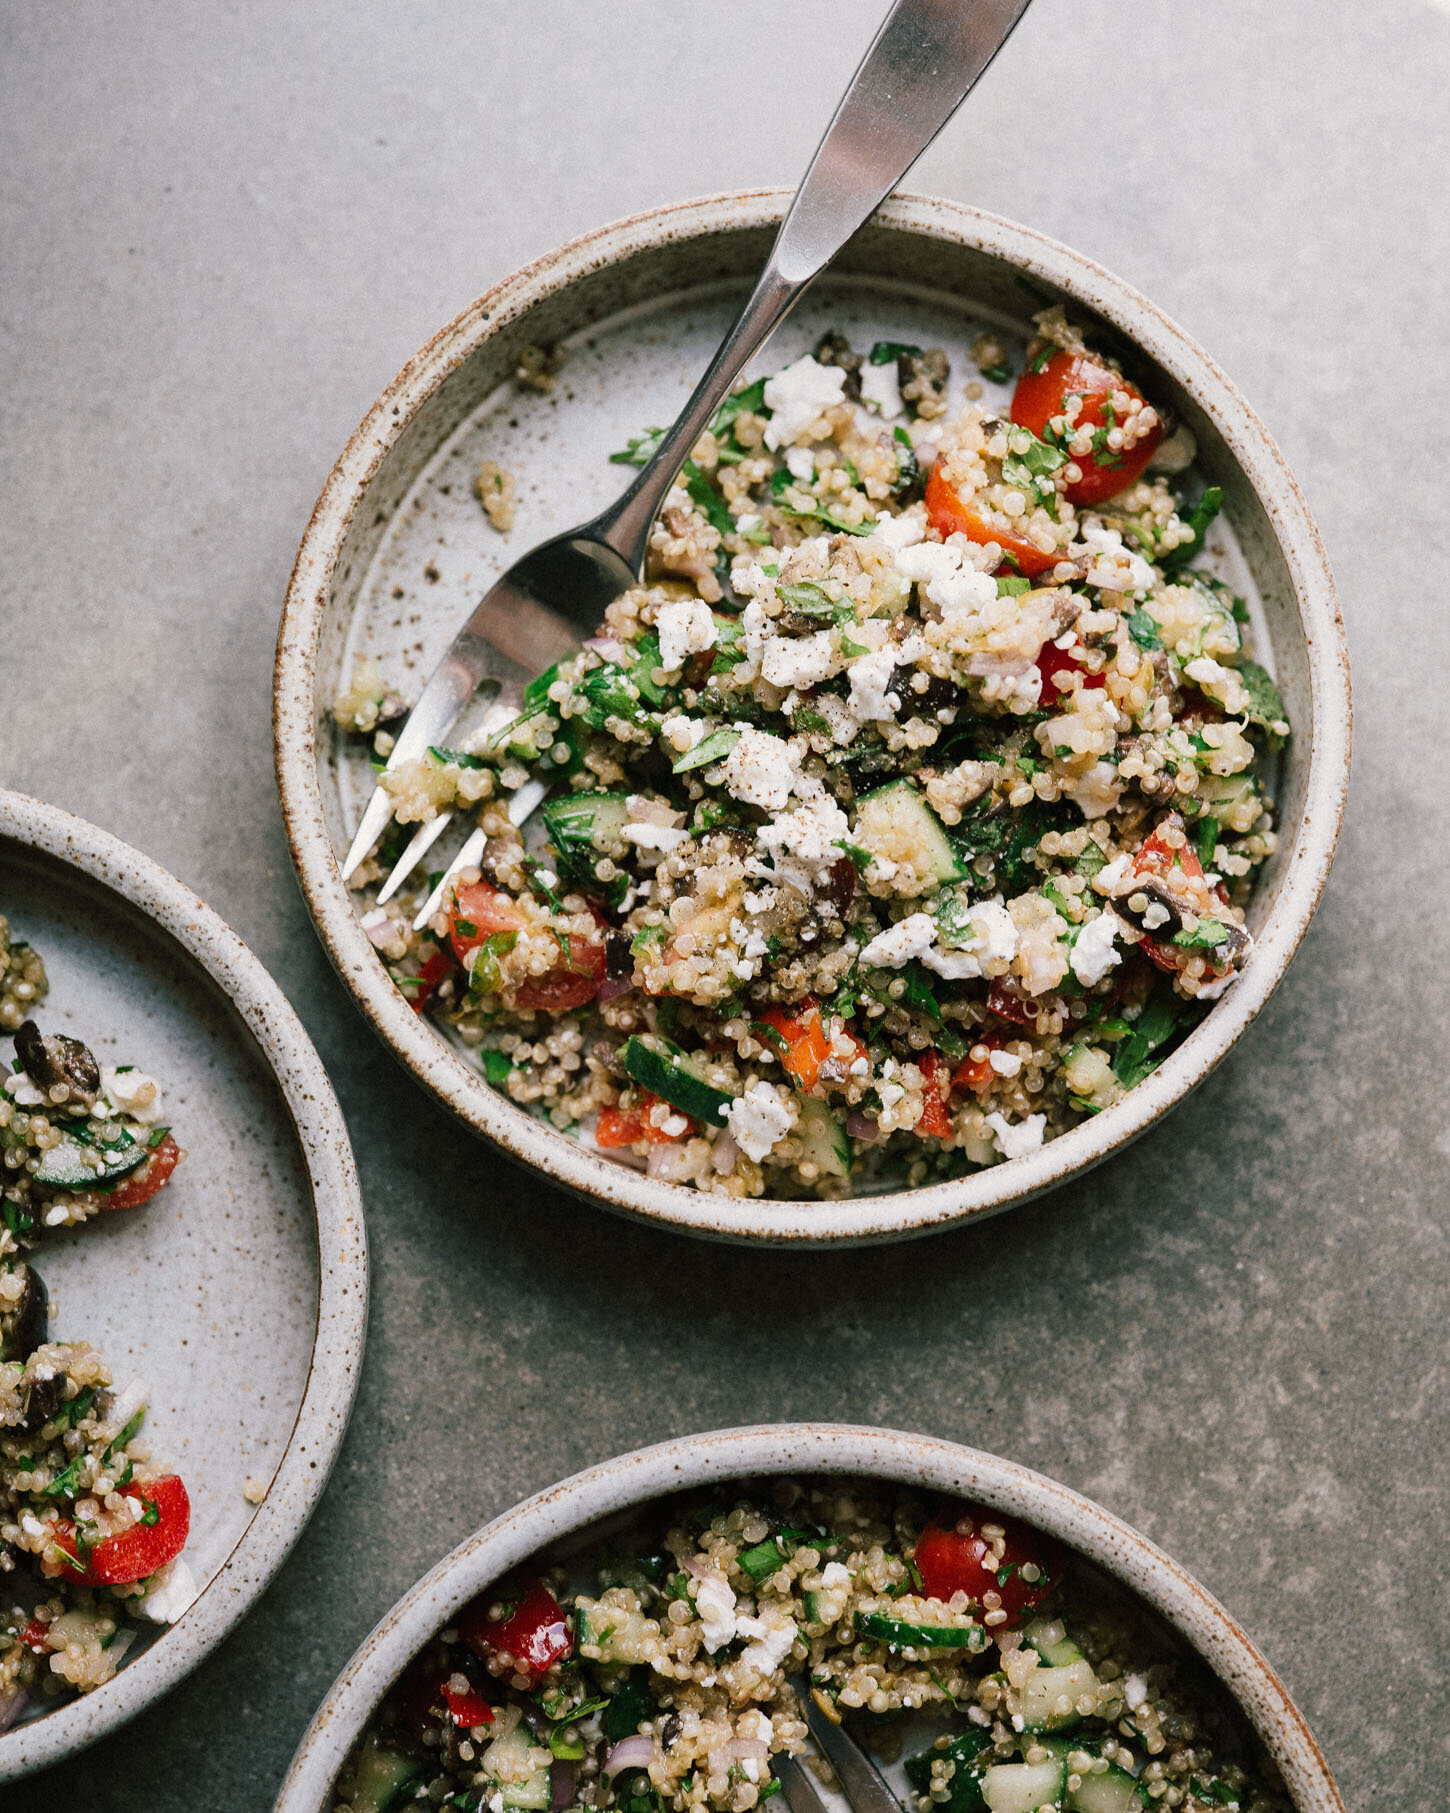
(240, 1292)
(562, 1518)
(398, 551)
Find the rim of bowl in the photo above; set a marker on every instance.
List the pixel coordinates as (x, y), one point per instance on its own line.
(921, 1461)
(901, 1214)
(332, 1373)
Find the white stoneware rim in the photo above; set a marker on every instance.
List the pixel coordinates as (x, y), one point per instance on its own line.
(342, 1279)
(1306, 848)
(920, 1461)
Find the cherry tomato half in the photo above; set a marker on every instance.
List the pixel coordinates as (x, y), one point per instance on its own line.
(133, 1554)
(627, 1126)
(532, 1630)
(1055, 664)
(948, 515)
(479, 911)
(1042, 393)
(147, 1179)
(953, 1556)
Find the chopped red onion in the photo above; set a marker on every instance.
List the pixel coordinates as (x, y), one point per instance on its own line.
(861, 1126)
(11, 1707)
(606, 646)
(724, 1154)
(563, 1784)
(612, 987)
(667, 1163)
(635, 1752)
(981, 666)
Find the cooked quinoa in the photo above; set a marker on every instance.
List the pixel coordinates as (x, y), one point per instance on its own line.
(903, 817)
(667, 1671)
(91, 1525)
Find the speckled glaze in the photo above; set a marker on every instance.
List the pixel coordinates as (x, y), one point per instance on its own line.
(240, 1292)
(919, 1461)
(649, 272)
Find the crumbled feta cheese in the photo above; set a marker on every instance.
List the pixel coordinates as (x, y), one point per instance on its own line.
(655, 837)
(685, 627)
(759, 1119)
(1005, 1063)
(897, 532)
(173, 1588)
(760, 770)
(898, 944)
(772, 1644)
(994, 938)
(797, 396)
(835, 1574)
(881, 387)
(1115, 568)
(1219, 682)
(871, 696)
(1019, 1140)
(1092, 953)
(801, 464)
(715, 1602)
(1110, 877)
(812, 831)
(802, 661)
(1135, 1691)
(22, 1091)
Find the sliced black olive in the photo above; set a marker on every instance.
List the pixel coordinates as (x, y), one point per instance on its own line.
(835, 349)
(27, 1325)
(923, 380)
(51, 1059)
(922, 701)
(618, 957)
(43, 1398)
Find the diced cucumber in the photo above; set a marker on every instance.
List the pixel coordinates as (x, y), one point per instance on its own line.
(78, 1164)
(1047, 1686)
(896, 822)
(1023, 1787)
(823, 1137)
(667, 1072)
(520, 1766)
(381, 1779)
(901, 1633)
(964, 1784)
(1114, 1791)
(582, 828)
(1051, 1641)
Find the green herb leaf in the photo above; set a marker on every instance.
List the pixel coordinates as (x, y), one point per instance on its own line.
(1199, 518)
(1266, 707)
(458, 757)
(713, 748)
(1143, 628)
(640, 450)
(498, 1066)
(887, 352)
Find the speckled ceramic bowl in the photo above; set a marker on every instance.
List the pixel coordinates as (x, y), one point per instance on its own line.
(561, 1516)
(398, 551)
(240, 1292)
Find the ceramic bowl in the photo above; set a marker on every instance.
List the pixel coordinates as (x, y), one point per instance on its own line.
(240, 1293)
(558, 1516)
(398, 550)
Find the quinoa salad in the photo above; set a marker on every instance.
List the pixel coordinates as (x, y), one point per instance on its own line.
(91, 1525)
(674, 1669)
(905, 815)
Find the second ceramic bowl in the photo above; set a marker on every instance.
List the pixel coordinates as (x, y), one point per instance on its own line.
(398, 552)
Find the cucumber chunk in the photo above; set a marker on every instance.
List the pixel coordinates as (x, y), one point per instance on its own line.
(1114, 1791)
(381, 1779)
(1047, 1687)
(823, 1137)
(582, 828)
(901, 1633)
(79, 1164)
(1051, 1641)
(964, 1784)
(1023, 1787)
(896, 822)
(667, 1072)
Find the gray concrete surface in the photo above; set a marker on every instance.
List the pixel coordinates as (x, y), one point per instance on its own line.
(224, 227)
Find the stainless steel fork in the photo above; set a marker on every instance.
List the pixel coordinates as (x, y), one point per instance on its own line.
(922, 63)
(861, 1784)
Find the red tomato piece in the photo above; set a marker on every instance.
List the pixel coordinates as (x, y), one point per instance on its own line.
(1004, 1001)
(133, 1554)
(807, 1043)
(574, 980)
(477, 912)
(974, 1072)
(627, 1126)
(468, 1708)
(1054, 662)
(532, 1630)
(948, 515)
(33, 1637)
(952, 1556)
(429, 976)
(147, 1179)
(1042, 393)
(936, 1120)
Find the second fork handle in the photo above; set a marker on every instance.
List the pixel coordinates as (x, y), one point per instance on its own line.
(922, 63)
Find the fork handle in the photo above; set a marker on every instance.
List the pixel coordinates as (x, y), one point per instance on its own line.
(922, 63)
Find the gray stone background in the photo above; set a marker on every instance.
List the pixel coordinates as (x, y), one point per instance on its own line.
(225, 226)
